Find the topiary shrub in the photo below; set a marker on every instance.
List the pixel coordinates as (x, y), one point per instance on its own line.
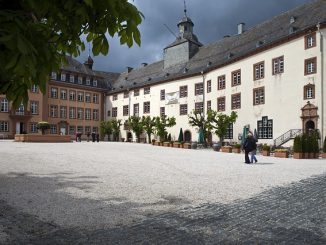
(297, 144)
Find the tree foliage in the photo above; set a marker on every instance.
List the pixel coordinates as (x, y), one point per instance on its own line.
(197, 119)
(136, 125)
(43, 126)
(116, 124)
(149, 126)
(106, 128)
(161, 125)
(36, 36)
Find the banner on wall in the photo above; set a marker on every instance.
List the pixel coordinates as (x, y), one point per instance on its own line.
(172, 98)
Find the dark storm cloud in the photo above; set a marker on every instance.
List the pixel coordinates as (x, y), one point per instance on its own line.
(212, 18)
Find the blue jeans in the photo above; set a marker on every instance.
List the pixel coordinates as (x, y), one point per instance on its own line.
(253, 156)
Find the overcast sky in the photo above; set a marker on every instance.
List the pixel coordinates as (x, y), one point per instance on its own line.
(212, 20)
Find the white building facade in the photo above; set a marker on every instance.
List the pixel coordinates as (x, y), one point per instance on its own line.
(272, 75)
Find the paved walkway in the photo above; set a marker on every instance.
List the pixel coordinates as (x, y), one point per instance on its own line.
(125, 193)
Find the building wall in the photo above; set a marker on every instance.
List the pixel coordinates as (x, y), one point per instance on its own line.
(284, 93)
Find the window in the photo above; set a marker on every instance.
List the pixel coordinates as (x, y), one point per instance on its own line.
(88, 81)
(162, 94)
(147, 107)
(183, 109)
(236, 78)
(95, 98)
(63, 111)
(199, 88)
(63, 94)
(72, 112)
(209, 105)
(54, 93)
(259, 71)
(108, 113)
(4, 126)
(53, 75)
(114, 111)
(136, 92)
(53, 111)
(259, 96)
(199, 107)
(114, 97)
(278, 65)
(4, 107)
(162, 111)
(63, 77)
(147, 90)
(136, 109)
(126, 94)
(209, 86)
(87, 97)
(72, 130)
(53, 129)
(80, 96)
(95, 83)
(310, 41)
(34, 89)
(229, 132)
(95, 114)
(310, 66)
(125, 110)
(183, 91)
(309, 91)
(80, 80)
(265, 128)
(80, 113)
(221, 82)
(71, 79)
(80, 129)
(34, 107)
(88, 115)
(221, 104)
(95, 129)
(20, 110)
(236, 101)
(88, 129)
(72, 95)
(33, 127)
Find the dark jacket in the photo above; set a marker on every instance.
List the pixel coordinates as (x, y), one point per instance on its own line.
(249, 144)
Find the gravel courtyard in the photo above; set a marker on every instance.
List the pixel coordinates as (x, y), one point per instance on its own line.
(119, 192)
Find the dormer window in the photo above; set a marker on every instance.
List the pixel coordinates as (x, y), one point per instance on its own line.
(54, 75)
(95, 83)
(88, 81)
(72, 79)
(292, 19)
(80, 80)
(63, 77)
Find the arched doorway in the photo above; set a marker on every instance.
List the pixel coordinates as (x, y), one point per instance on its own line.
(129, 136)
(187, 136)
(309, 117)
(310, 125)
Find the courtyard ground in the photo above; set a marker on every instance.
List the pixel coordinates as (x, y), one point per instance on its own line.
(128, 193)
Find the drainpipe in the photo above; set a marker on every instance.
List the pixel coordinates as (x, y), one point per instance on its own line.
(202, 73)
(321, 39)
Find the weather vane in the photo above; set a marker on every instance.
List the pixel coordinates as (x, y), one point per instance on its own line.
(185, 9)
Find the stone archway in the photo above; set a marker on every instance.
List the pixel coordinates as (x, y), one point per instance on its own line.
(309, 117)
(129, 136)
(187, 136)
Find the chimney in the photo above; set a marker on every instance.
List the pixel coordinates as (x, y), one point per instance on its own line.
(143, 64)
(241, 28)
(129, 69)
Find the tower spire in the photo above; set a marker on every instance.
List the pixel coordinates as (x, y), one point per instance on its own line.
(184, 7)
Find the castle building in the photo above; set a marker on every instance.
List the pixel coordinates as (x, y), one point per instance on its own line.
(273, 75)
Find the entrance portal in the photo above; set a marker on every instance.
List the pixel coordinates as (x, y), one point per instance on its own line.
(187, 136)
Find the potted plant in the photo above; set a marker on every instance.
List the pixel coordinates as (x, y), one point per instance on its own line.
(281, 152)
(236, 148)
(266, 150)
(166, 143)
(297, 148)
(324, 149)
(43, 126)
(186, 145)
(226, 149)
(177, 144)
(153, 141)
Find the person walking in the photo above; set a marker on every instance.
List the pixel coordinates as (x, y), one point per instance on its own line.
(253, 152)
(248, 146)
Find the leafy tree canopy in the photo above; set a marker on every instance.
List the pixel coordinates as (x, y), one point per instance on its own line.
(36, 36)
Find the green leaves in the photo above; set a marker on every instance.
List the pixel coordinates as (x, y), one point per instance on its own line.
(36, 35)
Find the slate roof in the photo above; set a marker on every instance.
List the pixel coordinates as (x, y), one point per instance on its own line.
(229, 49)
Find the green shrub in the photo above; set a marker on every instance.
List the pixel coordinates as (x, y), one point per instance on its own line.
(266, 147)
(237, 146)
(304, 143)
(297, 144)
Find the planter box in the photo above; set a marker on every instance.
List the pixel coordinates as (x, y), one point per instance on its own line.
(158, 143)
(166, 144)
(186, 145)
(226, 149)
(281, 154)
(266, 153)
(298, 155)
(177, 145)
(236, 150)
(323, 155)
(47, 138)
